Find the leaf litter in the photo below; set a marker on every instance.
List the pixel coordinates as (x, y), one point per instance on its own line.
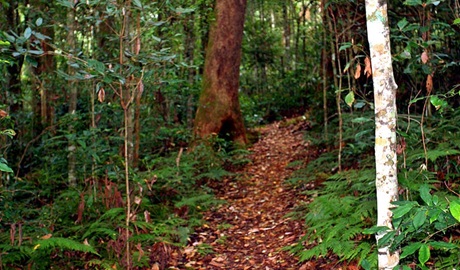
(250, 230)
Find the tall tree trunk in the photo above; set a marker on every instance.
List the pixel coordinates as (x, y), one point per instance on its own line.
(324, 53)
(71, 25)
(385, 123)
(45, 67)
(219, 108)
(286, 38)
(189, 58)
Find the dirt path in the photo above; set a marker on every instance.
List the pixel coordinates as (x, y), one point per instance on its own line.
(249, 231)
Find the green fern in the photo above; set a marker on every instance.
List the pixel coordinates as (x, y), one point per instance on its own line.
(336, 218)
(198, 200)
(14, 255)
(97, 231)
(63, 244)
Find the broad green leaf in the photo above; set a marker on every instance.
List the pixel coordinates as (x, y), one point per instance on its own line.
(137, 3)
(443, 245)
(8, 132)
(386, 239)
(347, 66)
(438, 103)
(36, 52)
(5, 168)
(426, 69)
(455, 209)
(440, 226)
(376, 229)
(402, 23)
(410, 249)
(345, 46)
(98, 66)
(457, 21)
(27, 33)
(413, 2)
(435, 200)
(419, 219)
(40, 36)
(184, 10)
(31, 60)
(82, 143)
(350, 98)
(402, 210)
(360, 104)
(366, 265)
(433, 214)
(66, 3)
(425, 195)
(39, 22)
(424, 254)
(405, 54)
(361, 120)
(10, 38)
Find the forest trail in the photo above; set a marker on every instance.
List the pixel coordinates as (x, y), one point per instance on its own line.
(251, 228)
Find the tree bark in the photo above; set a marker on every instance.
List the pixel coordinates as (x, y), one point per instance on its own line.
(73, 95)
(219, 108)
(385, 123)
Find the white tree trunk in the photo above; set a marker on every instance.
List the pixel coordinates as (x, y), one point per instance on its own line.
(385, 122)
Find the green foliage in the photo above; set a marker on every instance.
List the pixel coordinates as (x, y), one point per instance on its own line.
(337, 216)
(63, 244)
(422, 227)
(4, 166)
(342, 214)
(168, 202)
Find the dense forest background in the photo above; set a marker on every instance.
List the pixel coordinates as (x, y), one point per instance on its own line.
(98, 154)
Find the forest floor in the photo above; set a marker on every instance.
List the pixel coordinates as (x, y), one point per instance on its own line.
(250, 230)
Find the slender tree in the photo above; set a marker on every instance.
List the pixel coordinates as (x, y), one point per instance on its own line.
(73, 96)
(219, 108)
(385, 123)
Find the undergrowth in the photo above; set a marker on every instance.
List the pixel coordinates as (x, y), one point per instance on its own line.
(340, 219)
(44, 227)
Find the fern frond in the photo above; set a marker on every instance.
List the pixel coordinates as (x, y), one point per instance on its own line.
(64, 244)
(114, 214)
(100, 232)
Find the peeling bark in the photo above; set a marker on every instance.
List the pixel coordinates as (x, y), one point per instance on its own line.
(219, 109)
(385, 122)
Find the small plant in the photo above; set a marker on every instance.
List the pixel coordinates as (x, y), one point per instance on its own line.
(224, 226)
(425, 228)
(204, 249)
(337, 216)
